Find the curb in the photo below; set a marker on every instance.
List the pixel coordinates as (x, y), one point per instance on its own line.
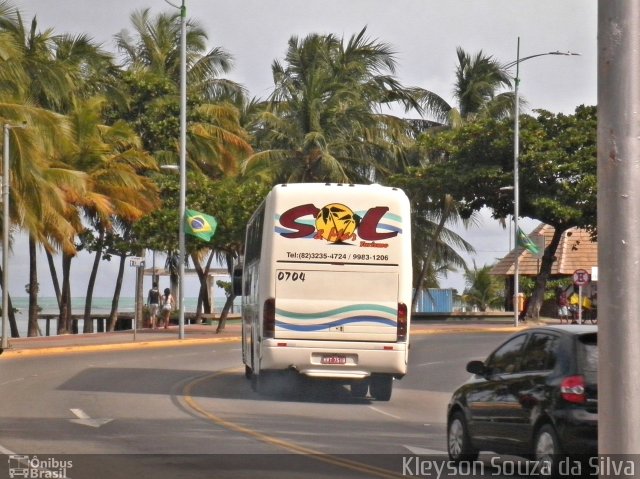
(470, 329)
(79, 349)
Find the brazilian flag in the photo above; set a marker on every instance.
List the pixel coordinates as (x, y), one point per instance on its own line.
(525, 242)
(200, 225)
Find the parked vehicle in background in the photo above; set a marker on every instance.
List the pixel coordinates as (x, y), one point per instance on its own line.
(326, 286)
(535, 396)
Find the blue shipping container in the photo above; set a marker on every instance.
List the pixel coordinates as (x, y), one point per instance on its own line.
(435, 301)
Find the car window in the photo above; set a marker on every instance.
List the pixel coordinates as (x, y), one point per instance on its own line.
(588, 357)
(540, 353)
(504, 360)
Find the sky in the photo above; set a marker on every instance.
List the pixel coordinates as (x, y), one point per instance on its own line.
(423, 33)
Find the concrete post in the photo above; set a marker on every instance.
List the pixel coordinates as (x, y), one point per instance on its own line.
(619, 226)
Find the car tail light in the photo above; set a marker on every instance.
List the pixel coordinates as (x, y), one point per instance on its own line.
(402, 322)
(572, 389)
(269, 318)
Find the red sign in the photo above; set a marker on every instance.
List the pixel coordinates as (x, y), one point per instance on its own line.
(580, 277)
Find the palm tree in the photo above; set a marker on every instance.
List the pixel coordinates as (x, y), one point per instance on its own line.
(483, 289)
(151, 58)
(35, 85)
(433, 245)
(479, 79)
(115, 163)
(324, 120)
(216, 141)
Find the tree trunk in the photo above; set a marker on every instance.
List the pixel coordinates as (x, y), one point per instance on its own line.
(54, 277)
(33, 329)
(113, 315)
(537, 297)
(11, 314)
(64, 321)
(222, 322)
(204, 302)
(88, 322)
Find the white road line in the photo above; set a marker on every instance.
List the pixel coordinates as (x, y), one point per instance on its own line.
(85, 420)
(5, 451)
(384, 412)
(16, 380)
(430, 364)
(422, 451)
(80, 414)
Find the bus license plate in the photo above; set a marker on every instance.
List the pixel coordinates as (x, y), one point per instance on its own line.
(333, 359)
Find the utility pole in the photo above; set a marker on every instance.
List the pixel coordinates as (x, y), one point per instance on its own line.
(618, 227)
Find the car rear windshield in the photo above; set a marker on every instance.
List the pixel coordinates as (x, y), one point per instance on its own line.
(588, 357)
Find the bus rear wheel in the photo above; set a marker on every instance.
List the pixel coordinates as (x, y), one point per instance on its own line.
(381, 386)
(360, 388)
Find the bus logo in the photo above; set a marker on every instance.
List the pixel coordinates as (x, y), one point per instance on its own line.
(335, 223)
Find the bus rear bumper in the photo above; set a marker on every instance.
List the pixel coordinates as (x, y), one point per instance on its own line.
(350, 360)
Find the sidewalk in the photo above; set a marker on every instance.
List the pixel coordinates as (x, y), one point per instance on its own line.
(195, 334)
(120, 340)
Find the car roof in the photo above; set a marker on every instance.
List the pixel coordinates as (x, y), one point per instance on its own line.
(569, 328)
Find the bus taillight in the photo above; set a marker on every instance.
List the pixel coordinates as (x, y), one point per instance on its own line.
(402, 322)
(269, 318)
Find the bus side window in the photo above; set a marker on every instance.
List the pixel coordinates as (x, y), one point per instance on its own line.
(237, 280)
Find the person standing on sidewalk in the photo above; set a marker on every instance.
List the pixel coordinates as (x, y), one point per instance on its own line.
(167, 306)
(153, 302)
(563, 306)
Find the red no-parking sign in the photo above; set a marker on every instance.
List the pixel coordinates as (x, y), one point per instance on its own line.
(580, 277)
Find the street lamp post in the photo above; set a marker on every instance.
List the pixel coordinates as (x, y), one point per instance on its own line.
(183, 162)
(516, 155)
(5, 233)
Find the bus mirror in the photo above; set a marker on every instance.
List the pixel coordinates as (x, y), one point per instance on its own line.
(237, 281)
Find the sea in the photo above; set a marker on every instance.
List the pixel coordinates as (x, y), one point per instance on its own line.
(49, 305)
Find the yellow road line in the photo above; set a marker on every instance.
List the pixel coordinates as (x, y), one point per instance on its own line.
(281, 443)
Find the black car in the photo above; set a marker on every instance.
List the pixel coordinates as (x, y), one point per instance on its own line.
(535, 396)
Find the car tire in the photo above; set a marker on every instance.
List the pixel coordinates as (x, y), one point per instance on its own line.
(547, 451)
(459, 445)
(381, 387)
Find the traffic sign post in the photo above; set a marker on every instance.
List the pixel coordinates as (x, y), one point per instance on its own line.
(580, 279)
(138, 263)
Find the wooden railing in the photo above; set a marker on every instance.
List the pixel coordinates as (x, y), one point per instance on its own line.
(124, 322)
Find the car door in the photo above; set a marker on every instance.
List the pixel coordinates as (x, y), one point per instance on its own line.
(489, 401)
(527, 391)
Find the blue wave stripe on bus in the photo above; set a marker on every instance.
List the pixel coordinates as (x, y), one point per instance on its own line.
(340, 322)
(334, 312)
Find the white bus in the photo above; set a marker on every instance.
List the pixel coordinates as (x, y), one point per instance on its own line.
(326, 286)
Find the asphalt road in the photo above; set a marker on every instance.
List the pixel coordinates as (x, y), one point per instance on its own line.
(180, 412)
